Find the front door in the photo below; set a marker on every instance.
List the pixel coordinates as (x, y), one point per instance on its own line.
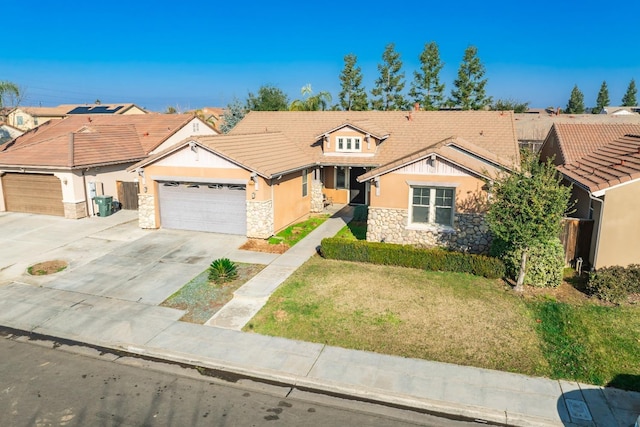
(357, 190)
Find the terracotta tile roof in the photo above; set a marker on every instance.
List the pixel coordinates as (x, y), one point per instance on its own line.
(612, 163)
(457, 150)
(64, 109)
(576, 140)
(99, 139)
(408, 133)
(536, 127)
(285, 156)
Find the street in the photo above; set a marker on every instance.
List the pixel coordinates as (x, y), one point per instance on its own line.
(45, 384)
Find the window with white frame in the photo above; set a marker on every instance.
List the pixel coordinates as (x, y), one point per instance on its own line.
(305, 184)
(348, 144)
(432, 205)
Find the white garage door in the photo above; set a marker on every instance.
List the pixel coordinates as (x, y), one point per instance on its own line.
(215, 208)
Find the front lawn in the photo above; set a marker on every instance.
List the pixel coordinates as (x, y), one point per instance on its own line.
(455, 318)
(296, 232)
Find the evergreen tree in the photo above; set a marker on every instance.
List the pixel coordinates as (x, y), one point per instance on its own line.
(353, 96)
(629, 98)
(269, 98)
(576, 102)
(426, 88)
(387, 92)
(527, 208)
(603, 98)
(234, 112)
(10, 94)
(469, 92)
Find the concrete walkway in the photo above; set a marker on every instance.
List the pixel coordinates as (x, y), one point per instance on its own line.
(153, 331)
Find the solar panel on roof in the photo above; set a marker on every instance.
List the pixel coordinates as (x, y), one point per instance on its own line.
(80, 110)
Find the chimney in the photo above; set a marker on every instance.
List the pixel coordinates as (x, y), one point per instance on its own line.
(416, 106)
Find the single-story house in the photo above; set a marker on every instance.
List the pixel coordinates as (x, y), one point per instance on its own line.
(58, 167)
(26, 118)
(423, 174)
(602, 163)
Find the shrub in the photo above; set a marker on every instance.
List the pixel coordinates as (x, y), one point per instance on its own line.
(434, 259)
(614, 284)
(545, 264)
(222, 270)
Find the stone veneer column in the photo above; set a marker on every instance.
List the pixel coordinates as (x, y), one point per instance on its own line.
(469, 233)
(317, 200)
(259, 219)
(146, 211)
(75, 210)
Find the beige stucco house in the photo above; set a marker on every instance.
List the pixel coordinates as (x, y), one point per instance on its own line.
(58, 167)
(602, 163)
(26, 118)
(423, 174)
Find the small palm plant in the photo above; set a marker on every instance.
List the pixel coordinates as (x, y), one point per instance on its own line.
(222, 270)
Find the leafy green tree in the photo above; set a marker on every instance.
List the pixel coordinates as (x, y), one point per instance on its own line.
(268, 98)
(576, 102)
(310, 102)
(234, 112)
(510, 104)
(10, 94)
(527, 209)
(387, 92)
(603, 98)
(352, 97)
(171, 110)
(469, 92)
(426, 88)
(629, 98)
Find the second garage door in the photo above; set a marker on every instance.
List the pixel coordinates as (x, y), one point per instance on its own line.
(215, 208)
(33, 193)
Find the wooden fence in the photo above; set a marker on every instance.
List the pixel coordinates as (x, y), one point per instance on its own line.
(576, 239)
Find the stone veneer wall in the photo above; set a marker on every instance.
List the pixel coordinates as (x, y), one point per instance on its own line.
(75, 210)
(470, 232)
(317, 200)
(146, 211)
(260, 219)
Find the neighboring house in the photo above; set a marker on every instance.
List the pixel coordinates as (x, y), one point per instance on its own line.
(620, 111)
(58, 167)
(602, 163)
(8, 132)
(422, 174)
(27, 118)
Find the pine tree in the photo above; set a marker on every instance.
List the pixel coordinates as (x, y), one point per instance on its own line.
(629, 98)
(576, 102)
(603, 98)
(469, 92)
(426, 88)
(352, 96)
(387, 92)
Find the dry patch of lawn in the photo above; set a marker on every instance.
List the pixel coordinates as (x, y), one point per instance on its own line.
(447, 317)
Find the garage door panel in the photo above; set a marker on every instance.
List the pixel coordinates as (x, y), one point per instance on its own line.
(203, 207)
(33, 193)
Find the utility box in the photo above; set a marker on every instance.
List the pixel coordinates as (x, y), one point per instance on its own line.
(105, 204)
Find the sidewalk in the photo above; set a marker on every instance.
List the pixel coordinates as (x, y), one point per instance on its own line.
(153, 331)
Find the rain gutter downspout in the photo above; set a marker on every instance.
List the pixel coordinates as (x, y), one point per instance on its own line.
(595, 252)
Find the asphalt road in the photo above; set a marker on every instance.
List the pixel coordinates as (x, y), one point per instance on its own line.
(44, 384)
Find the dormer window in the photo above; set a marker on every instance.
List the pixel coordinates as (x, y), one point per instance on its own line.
(348, 144)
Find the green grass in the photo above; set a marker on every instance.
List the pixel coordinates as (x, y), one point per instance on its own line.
(455, 318)
(353, 231)
(296, 232)
(591, 343)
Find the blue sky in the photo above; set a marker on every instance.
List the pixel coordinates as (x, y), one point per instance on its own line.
(189, 55)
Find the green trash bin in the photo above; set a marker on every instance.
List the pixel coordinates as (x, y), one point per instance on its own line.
(105, 204)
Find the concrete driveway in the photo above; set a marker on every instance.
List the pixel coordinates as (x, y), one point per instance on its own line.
(108, 256)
